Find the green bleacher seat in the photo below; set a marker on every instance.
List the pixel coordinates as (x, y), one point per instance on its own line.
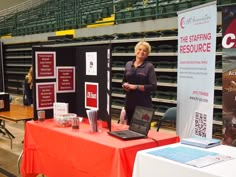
(119, 17)
(165, 79)
(218, 81)
(152, 34)
(155, 63)
(118, 90)
(164, 64)
(170, 10)
(218, 100)
(162, 108)
(118, 49)
(128, 16)
(107, 37)
(149, 12)
(173, 64)
(138, 13)
(174, 95)
(117, 75)
(217, 116)
(182, 5)
(118, 101)
(219, 64)
(173, 32)
(118, 63)
(130, 49)
(166, 48)
(196, 3)
(136, 35)
(123, 35)
(219, 47)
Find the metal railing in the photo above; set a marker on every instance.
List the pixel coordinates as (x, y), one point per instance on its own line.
(21, 7)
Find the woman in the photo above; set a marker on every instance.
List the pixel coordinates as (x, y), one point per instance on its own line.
(139, 80)
(28, 86)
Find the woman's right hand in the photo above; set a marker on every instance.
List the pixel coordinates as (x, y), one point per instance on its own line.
(127, 87)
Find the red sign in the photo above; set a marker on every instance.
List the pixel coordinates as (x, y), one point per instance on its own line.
(46, 95)
(45, 65)
(91, 95)
(65, 79)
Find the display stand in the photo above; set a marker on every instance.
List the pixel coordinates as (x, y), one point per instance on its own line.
(79, 76)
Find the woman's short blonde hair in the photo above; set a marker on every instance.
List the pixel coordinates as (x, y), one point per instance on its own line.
(145, 44)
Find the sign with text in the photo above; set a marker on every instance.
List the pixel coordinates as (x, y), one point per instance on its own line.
(196, 70)
(91, 95)
(229, 74)
(65, 79)
(46, 95)
(45, 65)
(91, 63)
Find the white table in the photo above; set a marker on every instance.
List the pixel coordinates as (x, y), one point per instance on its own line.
(148, 165)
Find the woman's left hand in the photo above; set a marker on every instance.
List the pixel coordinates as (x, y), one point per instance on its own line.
(129, 87)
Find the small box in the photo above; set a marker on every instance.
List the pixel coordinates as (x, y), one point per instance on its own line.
(4, 102)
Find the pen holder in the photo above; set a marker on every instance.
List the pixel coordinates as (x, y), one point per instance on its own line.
(75, 122)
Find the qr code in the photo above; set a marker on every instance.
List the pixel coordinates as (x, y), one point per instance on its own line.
(200, 124)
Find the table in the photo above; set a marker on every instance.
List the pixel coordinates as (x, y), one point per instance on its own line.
(17, 113)
(152, 166)
(56, 151)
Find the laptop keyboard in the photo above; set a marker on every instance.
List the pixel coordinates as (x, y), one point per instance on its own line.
(129, 133)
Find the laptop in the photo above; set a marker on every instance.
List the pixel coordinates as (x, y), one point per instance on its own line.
(139, 125)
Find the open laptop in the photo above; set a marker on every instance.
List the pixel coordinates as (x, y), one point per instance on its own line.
(139, 125)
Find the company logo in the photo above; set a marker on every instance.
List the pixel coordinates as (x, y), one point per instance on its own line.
(145, 117)
(185, 21)
(91, 95)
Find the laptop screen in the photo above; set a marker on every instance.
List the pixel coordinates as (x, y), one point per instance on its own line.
(141, 120)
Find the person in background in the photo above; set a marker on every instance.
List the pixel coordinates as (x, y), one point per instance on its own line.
(28, 87)
(139, 80)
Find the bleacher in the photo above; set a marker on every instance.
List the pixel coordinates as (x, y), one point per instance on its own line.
(56, 15)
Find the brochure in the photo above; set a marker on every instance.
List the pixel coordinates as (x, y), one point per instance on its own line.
(60, 108)
(201, 142)
(191, 156)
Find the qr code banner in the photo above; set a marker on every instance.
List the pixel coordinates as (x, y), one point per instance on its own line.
(200, 124)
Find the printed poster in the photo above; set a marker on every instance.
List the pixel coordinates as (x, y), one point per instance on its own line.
(66, 79)
(91, 63)
(45, 65)
(91, 95)
(46, 95)
(229, 74)
(196, 70)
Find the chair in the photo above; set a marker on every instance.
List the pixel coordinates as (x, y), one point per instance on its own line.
(170, 115)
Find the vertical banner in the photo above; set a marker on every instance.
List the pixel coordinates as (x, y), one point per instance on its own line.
(229, 74)
(196, 70)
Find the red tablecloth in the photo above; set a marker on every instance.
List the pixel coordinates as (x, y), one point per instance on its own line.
(64, 152)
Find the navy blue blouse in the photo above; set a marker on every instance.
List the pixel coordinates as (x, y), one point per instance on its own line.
(142, 75)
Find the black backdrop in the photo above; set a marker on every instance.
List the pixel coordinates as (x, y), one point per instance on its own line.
(75, 56)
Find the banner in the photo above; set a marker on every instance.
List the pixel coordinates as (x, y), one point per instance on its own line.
(196, 70)
(229, 74)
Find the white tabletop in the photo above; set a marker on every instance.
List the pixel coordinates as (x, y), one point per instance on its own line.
(148, 165)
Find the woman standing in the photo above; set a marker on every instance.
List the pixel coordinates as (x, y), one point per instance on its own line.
(139, 80)
(28, 87)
